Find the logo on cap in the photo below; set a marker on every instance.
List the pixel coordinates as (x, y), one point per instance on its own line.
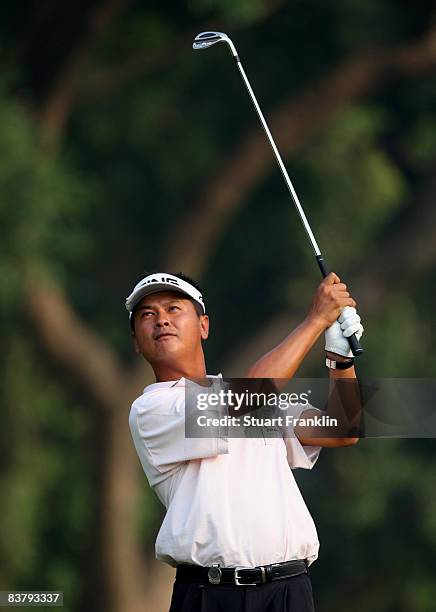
(163, 279)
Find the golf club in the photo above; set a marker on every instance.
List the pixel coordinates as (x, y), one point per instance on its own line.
(206, 40)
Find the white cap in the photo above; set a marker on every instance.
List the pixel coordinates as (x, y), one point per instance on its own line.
(153, 283)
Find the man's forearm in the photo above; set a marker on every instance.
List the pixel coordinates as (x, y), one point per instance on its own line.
(284, 360)
(352, 401)
(346, 408)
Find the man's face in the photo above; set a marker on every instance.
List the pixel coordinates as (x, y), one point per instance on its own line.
(167, 326)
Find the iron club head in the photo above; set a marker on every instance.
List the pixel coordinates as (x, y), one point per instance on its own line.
(207, 39)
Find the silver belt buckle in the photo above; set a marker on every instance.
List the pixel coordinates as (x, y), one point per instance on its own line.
(214, 573)
(239, 567)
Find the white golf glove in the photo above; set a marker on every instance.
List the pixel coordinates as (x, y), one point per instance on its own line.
(336, 335)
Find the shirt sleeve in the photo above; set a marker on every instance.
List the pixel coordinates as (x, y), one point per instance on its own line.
(299, 456)
(157, 425)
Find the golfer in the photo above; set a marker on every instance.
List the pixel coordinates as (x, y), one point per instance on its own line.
(236, 526)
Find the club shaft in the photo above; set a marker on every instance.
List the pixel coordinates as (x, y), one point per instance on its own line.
(352, 340)
(278, 158)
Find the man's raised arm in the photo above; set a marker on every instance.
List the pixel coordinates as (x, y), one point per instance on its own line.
(281, 363)
(284, 360)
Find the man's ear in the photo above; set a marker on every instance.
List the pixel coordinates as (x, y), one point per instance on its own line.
(204, 327)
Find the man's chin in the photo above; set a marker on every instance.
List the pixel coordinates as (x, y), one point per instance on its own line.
(164, 350)
(167, 343)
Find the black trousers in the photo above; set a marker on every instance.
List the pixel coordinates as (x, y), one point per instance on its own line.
(288, 595)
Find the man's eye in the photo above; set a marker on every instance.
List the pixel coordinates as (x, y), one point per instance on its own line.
(174, 308)
(146, 313)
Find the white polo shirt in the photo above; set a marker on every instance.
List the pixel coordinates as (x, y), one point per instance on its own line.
(232, 501)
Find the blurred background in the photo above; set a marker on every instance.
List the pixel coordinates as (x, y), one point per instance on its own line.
(122, 151)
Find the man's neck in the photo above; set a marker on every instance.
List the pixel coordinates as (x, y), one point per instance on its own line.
(167, 372)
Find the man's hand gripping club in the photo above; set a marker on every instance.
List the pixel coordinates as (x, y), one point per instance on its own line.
(335, 309)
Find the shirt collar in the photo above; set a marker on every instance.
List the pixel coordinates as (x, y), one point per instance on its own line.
(175, 383)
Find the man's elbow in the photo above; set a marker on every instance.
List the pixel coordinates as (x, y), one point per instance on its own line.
(328, 442)
(339, 442)
(347, 441)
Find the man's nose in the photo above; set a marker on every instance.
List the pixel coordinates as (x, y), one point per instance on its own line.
(162, 319)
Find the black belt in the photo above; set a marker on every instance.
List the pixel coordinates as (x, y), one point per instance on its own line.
(241, 576)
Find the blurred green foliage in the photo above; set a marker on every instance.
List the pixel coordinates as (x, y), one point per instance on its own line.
(44, 203)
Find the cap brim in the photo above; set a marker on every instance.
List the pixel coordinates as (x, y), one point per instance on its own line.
(157, 288)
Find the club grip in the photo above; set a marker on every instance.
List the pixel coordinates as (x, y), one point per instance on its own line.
(354, 343)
